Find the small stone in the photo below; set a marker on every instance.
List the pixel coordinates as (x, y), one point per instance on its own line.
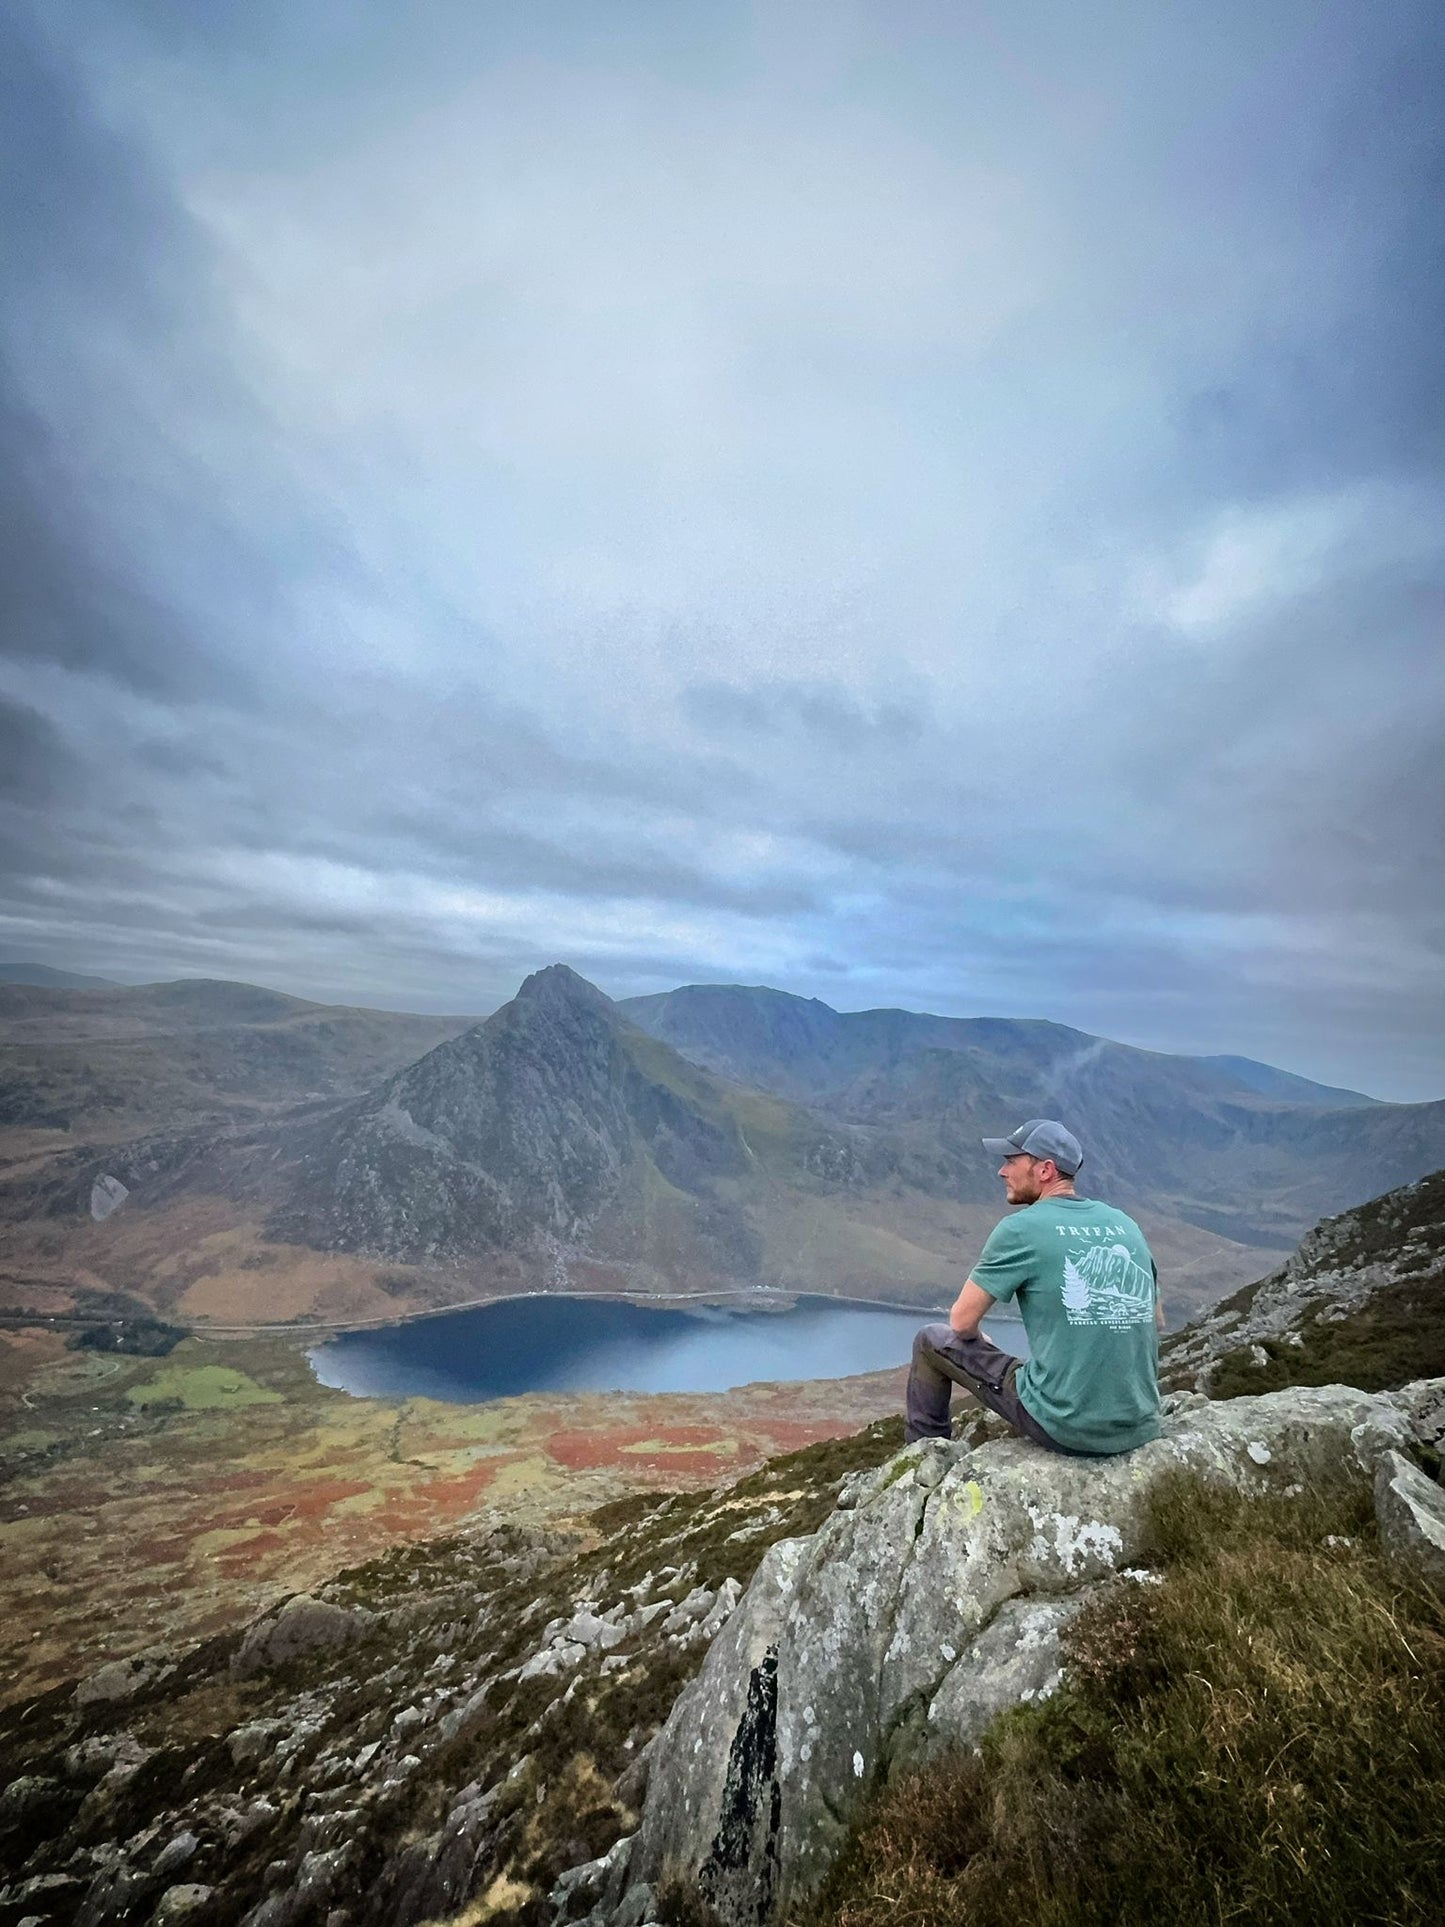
(254, 1741)
(301, 1625)
(175, 1854)
(107, 1195)
(30, 1793)
(180, 1903)
(587, 1629)
(636, 1907)
(1259, 1452)
(121, 1679)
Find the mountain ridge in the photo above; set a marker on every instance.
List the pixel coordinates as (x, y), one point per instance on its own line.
(689, 1017)
(1228, 1145)
(560, 1145)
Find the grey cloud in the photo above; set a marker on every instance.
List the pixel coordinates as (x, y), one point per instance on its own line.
(62, 598)
(125, 550)
(710, 545)
(35, 764)
(91, 268)
(826, 712)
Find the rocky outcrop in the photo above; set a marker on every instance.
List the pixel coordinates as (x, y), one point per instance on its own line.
(301, 1625)
(1362, 1300)
(933, 1598)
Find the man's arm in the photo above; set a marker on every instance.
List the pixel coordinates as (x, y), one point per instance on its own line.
(972, 1304)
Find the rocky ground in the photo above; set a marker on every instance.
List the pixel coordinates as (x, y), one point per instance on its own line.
(934, 1598)
(466, 1726)
(458, 1720)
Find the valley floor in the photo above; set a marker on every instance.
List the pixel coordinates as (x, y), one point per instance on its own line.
(150, 1501)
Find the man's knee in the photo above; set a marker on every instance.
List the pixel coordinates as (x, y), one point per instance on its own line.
(929, 1342)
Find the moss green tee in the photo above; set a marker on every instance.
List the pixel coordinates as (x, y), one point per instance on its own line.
(1086, 1287)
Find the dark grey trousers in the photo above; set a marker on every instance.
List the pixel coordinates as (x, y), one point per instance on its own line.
(941, 1360)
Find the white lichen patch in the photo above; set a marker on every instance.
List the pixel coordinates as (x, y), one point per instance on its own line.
(1035, 1631)
(1075, 1543)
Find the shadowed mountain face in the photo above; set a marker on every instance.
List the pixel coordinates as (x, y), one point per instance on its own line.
(520, 1131)
(28, 973)
(806, 1050)
(1238, 1148)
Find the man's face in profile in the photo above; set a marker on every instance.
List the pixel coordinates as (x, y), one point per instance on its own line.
(1020, 1177)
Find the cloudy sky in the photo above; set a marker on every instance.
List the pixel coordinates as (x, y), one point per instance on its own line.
(909, 501)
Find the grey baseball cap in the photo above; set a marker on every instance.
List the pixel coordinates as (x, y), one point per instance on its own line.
(1041, 1137)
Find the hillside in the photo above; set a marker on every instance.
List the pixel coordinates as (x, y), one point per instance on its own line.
(760, 1702)
(12, 972)
(1361, 1302)
(665, 1701)
(555, 1146)
(1225, 1144)
(281, 1160)
(109, 1062)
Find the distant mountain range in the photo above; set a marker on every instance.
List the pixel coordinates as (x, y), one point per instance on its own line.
(1232, 1146)
(808, 1051)
(709, 1138)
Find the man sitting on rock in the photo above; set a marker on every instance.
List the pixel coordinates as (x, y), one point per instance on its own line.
(1087, 1290)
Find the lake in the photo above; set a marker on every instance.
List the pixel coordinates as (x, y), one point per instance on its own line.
(558, 1344)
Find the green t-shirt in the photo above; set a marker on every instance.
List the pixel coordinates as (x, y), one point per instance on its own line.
(1086, 1287)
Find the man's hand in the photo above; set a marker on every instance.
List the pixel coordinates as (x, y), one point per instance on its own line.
(972, 1304)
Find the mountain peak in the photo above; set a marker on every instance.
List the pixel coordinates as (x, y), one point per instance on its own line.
(560, 984)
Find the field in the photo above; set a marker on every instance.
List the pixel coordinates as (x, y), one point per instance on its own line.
(147, 1501)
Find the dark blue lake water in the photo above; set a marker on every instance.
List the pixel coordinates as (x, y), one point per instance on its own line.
(604, 1345)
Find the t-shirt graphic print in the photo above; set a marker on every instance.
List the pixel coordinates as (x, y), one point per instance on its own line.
(1104, 1285)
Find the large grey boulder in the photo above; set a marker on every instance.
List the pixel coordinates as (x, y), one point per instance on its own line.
(917, 1613)
(1410, 1511)
(301, 1625)
(123, 1679)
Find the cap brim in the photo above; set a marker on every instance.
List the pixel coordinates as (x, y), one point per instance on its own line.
(1001, 1147)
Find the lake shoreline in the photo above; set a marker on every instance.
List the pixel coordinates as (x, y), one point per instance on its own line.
(558, 1341)
(756, 1298)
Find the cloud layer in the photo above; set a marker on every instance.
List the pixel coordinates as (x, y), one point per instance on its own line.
(911, 504)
